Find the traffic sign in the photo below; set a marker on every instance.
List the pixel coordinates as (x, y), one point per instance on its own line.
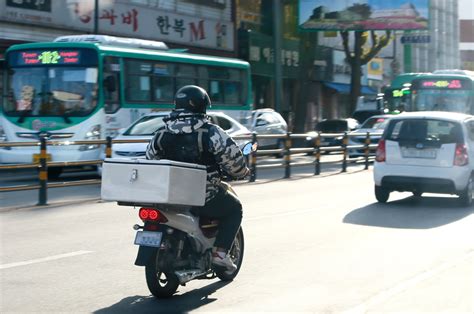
(415, 39)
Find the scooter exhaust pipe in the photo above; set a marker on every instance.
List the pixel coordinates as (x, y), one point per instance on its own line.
(187, 275)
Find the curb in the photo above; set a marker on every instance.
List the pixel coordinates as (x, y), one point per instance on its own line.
(52, 204)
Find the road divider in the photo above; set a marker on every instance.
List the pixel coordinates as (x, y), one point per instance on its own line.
(293, 144)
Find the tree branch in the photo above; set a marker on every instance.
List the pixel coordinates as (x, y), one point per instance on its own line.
(345, 43)
(382, 42)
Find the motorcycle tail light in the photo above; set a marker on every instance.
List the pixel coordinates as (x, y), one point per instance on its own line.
(151, 214)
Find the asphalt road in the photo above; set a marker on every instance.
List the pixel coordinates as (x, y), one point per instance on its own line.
(62, 195)
(313, 244)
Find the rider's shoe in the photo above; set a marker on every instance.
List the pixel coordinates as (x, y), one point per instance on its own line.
(223, 261)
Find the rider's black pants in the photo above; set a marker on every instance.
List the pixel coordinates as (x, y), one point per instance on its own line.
(226, 207)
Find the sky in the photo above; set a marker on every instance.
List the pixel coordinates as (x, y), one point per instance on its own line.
(306, 6)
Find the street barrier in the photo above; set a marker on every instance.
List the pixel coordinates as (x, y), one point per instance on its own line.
(42, 164)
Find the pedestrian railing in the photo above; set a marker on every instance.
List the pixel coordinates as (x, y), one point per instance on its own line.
(315, 150)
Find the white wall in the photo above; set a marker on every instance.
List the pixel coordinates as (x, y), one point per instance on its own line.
(466, 9)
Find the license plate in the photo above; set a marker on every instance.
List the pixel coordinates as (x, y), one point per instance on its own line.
(148, 238)
(419, 153)
(36, 158)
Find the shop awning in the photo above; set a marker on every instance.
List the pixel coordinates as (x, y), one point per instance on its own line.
(346, 88)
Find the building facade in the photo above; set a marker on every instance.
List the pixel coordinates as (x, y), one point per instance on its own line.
(466, 26)
(442, 50)
(201, 26)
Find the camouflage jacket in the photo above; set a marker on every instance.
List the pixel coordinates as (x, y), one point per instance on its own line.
(227, 154)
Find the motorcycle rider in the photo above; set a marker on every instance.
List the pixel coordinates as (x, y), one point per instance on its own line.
(188, 136)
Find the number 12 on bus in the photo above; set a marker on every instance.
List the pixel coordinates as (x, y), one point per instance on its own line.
(91, 86)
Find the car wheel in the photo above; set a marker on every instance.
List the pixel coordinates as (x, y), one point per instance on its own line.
(465, 197)
(381, 194)
(280, 145)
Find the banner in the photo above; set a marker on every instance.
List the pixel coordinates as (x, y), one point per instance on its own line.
(363, 14)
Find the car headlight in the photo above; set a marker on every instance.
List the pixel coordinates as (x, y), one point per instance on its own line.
(93, 134)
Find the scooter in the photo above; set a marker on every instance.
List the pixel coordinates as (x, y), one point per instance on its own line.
(175, 246)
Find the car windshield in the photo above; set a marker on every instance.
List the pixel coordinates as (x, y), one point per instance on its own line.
(146, 126)
(375, 123)
(332, 126)
(51, 91)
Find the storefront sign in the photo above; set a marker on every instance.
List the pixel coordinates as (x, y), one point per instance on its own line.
(261, 56)
(128, 20)
(38, 5)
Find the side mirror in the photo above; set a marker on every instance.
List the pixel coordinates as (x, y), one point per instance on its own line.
(248, 148)
(110, 84)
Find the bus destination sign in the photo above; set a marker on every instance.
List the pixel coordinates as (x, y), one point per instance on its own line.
(448, 84)
(48, 57)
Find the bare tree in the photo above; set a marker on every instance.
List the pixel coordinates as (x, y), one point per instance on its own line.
(361, 56)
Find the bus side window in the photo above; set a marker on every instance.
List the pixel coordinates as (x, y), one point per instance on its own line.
(110, 84)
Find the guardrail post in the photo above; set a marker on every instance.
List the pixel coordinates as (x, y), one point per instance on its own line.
(287, 155)
(253, 160)
(43, 173)
(317, 167)
(108, 147)
(366, 151)
(345, 140)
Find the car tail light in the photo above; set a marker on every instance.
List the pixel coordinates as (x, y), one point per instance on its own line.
(461, 158)
(151, 214)
(380, 153)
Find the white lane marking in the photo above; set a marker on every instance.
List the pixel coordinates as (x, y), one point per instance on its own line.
(44, 259)
(405, 285)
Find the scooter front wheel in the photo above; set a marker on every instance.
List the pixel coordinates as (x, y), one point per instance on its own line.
(162, 284)
(237, 255)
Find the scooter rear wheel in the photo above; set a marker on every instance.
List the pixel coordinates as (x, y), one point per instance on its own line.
(161, 284)
(237, 255)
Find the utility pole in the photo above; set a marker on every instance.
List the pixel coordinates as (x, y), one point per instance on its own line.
(96, 17)
(277, 53)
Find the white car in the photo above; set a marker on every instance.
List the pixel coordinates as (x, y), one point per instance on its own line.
(375, 125)
(267, 121)
(426, 152)
(145, 127)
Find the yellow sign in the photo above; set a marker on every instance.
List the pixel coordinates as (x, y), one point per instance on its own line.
(375, 69)
(36, 158)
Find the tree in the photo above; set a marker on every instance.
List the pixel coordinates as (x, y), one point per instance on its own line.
(361, 56)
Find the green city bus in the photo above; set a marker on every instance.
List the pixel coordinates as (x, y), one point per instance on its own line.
(442, 92)
(90, 86)
(397, 95)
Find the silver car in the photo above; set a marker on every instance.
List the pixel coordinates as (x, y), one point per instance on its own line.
(145, 127)
(267, 121)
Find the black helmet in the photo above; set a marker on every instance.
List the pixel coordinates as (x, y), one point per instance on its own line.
(192, 98)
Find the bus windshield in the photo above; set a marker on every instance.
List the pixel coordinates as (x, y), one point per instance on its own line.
(442, 100)
(51, 91)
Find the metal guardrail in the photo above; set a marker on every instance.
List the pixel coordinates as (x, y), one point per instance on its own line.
(287, 151)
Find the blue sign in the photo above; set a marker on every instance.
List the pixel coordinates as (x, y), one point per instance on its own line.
(415, 39)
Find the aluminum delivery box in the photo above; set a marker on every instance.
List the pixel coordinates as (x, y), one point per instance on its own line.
(141, 181)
